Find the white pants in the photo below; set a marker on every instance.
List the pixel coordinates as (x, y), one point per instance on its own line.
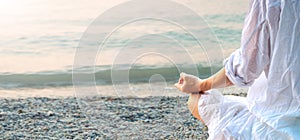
(228, 117)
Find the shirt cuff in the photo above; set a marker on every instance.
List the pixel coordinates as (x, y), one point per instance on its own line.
(231, 70)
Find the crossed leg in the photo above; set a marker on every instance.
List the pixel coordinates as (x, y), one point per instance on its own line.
(193, 105)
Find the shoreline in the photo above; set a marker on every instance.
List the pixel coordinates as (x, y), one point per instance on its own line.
(136, 91)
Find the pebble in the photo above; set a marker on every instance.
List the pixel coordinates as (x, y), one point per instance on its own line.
(50, 113)
(100, 118)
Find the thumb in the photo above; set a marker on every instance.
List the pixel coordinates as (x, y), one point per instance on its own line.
(178, 86)
(183, 75)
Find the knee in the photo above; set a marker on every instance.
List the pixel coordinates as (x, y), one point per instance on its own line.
(193, 105)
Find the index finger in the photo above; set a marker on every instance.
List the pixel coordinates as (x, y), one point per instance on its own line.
(180, 80)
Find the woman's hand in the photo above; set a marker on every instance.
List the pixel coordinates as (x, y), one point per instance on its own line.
(188, 83)
(191, 84)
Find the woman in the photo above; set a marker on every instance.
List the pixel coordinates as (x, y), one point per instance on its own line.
(269, 62)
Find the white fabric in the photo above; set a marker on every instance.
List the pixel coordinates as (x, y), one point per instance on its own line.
(269, 62)
(228, 117)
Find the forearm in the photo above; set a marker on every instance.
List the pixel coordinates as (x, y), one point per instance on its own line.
(218, 80)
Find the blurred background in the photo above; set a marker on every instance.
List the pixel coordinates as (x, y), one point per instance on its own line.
(39, 38)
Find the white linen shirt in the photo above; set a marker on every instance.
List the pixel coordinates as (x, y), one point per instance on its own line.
(269, 62)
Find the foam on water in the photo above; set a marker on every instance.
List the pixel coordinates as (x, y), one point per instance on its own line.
(103, 76)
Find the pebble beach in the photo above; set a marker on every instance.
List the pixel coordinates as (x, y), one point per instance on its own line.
(47, 118)
(157, 117)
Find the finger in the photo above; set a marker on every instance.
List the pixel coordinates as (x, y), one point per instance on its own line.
(180, 80)
(183, 76)
(178, 86)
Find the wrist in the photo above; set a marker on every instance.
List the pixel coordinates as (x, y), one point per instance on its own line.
(205, 85)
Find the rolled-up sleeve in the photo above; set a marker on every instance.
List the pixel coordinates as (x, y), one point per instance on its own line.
(247, 63)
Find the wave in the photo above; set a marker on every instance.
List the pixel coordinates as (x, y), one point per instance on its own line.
(103, 75)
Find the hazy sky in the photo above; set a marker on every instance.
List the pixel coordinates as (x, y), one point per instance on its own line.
(17, 17)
